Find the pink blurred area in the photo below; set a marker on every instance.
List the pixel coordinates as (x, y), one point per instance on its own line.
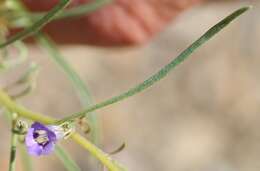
(122, 22)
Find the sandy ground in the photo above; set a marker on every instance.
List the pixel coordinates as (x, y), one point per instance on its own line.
(203, 117)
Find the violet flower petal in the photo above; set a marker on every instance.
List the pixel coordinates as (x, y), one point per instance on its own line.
(48, 148)
(40, 148)
(29, 138)
(35, 150)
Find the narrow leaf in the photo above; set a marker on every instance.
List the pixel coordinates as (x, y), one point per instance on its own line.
(166, 69)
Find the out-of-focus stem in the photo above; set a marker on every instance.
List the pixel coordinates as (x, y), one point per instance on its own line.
(14, 137)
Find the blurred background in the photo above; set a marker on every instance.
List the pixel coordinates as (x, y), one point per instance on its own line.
(203, 117)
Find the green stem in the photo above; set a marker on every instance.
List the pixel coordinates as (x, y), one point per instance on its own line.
(54, 54)
(78, 84)
(166, 69)
(13, 152)
(11, 106)
(8, 103)
(72, 75)
(37, 25)
(26, 160)
(96, 152)
(14, 138)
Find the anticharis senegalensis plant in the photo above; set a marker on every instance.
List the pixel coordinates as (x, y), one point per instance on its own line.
(44, 134)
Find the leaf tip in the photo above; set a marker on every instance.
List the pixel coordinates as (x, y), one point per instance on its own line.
(246, 8)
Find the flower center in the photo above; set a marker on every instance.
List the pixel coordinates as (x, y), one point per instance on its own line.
(41, 137)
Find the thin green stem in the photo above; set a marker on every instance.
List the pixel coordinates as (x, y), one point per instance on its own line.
(78, 84)
(37, 25)
(26, 160)
(96, 152)
(14, 138)
(11, 106)
(13, 152)
(80, 10)
(166, 69)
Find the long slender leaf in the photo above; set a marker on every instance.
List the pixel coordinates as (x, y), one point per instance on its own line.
(68, 163)
(37, 25)
(166, 69)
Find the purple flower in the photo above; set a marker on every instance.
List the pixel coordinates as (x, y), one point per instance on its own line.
(40, 139)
